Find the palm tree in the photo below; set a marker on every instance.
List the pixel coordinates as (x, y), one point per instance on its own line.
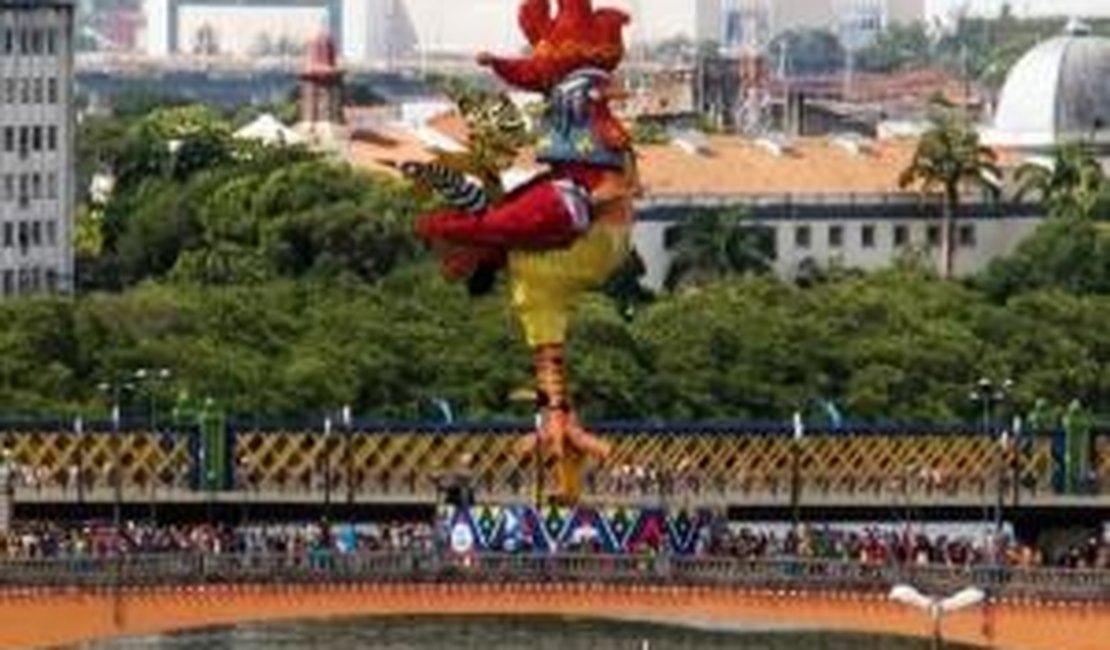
(950, 159)
(1071, 186)
(711, 244)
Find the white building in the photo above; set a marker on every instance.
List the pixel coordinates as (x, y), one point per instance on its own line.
(36, 146)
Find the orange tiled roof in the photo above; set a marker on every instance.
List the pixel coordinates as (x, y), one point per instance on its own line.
(736, 165)
(732, 166)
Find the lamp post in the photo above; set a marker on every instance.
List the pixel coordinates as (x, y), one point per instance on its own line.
(348, 453)
(796, 471)
(327, 465)
(113, 391)
(989, 394)
(148, 381)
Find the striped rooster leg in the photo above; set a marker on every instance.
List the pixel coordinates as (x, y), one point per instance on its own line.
(561, 435)
(554, 404)
(546, 214)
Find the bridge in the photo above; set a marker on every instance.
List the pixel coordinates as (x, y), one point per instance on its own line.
(48, 603)
(847, 473)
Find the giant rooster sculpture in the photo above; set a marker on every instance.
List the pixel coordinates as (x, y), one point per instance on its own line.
(566, 230)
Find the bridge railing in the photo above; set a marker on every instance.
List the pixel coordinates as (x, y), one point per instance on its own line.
(187, 570)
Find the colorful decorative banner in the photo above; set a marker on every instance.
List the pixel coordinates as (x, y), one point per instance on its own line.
(524, 529)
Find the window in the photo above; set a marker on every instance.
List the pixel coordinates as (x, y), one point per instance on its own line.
(24, 235)
(36, 185)
(25, 91)
(9, 282)
(52, 138)
(36, 233)
(36, 138)
(802, 237)
(9, 138)
(9, 41)
(36, 41)
(24, 140)
(52, 90)
(51, 41)
(24, 41)
(24, 191)
(836, 236)
(9, 91)
(51, 185)
(51, 280)
(932, 233)
(867, 237)
(967, 236)
(9, 187)
(51, 233)
(40, 94)
(901, 236)
(9, 235)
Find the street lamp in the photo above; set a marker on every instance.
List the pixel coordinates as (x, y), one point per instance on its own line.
(113, 391)
(327, 465)
(989, 394)
(348, 452)
(796, 471)
(935, 608)
(148, 381)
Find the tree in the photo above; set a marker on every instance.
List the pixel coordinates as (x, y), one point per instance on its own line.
(950, 159)
(899, 47)
(809, 51)
(1071, 186)
(711, 244)
(1072, 255)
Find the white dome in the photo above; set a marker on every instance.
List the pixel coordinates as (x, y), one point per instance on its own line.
(1059, 91)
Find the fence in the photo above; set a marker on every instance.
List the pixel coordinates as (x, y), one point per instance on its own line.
(893, 464)
(194, 569)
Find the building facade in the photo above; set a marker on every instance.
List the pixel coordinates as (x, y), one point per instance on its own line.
(36, 146)
(848, 232)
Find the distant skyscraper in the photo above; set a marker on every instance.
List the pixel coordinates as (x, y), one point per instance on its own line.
(36, 146)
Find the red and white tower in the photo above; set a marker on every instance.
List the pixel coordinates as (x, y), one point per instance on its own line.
(321, 95)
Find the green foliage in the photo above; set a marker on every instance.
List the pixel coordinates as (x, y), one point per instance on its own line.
(194, 204)
(897, 345)
(1072, 186)
(810, 51)
(1067, 254)
(644, 132)
(900, 47)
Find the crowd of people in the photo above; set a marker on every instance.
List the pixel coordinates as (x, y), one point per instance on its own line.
(884, 545)
(44, 540)
(874, 545)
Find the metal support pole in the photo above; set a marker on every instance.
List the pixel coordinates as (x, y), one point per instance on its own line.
(348, 452)
(327, 466)
(796, 471)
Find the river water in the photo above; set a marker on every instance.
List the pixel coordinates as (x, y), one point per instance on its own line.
(498, 634)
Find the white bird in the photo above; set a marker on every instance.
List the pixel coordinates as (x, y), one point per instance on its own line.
(936, 608)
